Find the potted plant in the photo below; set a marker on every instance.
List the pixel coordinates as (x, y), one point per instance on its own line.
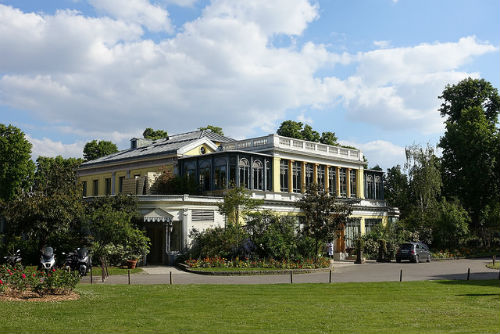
(137, 246)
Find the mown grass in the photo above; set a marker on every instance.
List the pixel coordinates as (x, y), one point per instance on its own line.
(384, 307)
(491, 266)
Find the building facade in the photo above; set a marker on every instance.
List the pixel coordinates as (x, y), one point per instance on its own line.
(273, 168)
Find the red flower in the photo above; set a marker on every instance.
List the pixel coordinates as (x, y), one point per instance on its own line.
(10, 273)
(23, 276)
(53, 269)
(1, 282)
(34, 274)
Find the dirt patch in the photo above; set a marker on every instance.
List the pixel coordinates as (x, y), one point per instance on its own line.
(29, 296)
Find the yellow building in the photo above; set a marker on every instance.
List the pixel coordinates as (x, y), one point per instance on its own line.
(273, 168)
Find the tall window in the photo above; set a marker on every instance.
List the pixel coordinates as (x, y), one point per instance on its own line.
(108, 186)
(232, 172)
(269, 178)
(353, 185)
(84, 187)
(284, 175)
(244, 167)
(379, 188)
(297, 177)
(95, 187)
(190, 169)
(120, 183)
(258, 175)
(321, 178)
(371, 223)
(220, 174)
(352, 229)
(332, 181)
(205, 175)
(370, 187)
(309, 175)
(343, 182)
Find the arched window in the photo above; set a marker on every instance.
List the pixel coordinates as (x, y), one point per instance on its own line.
(244, 167)
(258, 175)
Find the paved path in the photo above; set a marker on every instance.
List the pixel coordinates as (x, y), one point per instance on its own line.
(344, 272)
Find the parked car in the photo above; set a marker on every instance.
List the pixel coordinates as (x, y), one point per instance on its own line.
(413, 252)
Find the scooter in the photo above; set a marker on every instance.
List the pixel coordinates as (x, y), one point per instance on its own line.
(78, 260)
(83, 260)
(47, 260)
(14, 259)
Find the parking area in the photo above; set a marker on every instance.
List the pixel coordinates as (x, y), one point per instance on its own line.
(343, 272)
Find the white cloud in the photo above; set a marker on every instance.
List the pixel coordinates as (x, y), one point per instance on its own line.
(49, 148)
(382, 44)
(100, 78)
(381, 152)
(142, 12)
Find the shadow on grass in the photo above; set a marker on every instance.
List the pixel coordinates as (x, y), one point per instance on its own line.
(472, 282)
(479, 294)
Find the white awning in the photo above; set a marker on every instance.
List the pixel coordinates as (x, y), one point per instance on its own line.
(157, 216)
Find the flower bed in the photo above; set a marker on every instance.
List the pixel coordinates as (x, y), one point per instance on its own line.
(16, 281)
(219, 262)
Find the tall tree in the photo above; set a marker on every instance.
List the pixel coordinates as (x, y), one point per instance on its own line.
(470, 145)
(290, 129)
(149, 133)
(96, 149)
(328, 138)
(214, 129)
(56, 174)
(309, 134)
(325, 216)
(396, 189)
(16, 166)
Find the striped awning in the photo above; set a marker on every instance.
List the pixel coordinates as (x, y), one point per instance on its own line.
(157, 216)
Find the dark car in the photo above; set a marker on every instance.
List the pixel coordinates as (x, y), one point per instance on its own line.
(413, 252)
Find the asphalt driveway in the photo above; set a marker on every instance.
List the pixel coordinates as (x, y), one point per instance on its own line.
(343, 272)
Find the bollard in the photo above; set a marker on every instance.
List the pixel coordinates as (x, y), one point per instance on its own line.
(291, 277)
(468, 274)
(330, 278)
(494, 258)
(401, 275)
(170, 278)
(129, 276)
(91, 275)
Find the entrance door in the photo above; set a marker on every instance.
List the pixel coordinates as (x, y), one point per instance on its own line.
(156, 233)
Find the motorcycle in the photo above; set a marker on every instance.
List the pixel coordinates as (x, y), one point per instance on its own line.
(14, 259)
(47, 259)
(83, 260)
(78, 260)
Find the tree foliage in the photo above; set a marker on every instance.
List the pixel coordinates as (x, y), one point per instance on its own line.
(298, 130)
(214, 129)
(237, 205)
(16, 166)
(471, 154)
(396, 188)
(324, 215)
(96, 149)
(151, 134)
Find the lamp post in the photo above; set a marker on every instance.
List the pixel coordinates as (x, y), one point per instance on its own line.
(169, 227)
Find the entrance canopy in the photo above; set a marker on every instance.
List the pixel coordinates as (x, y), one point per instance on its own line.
(158, 216)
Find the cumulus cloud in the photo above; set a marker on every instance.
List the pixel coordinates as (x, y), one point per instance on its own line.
(142, 12)
(49, 148)
(102, 77)
(381, 152)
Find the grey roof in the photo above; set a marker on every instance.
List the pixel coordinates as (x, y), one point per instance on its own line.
(158, 147)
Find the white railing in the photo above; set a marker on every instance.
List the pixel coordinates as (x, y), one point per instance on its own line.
(294, 145)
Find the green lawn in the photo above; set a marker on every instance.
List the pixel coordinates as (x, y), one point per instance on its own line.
(387, 307)
(491, 266)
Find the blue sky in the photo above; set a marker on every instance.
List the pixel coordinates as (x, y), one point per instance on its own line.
(371, 71)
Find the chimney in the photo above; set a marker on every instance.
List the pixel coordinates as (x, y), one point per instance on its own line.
(139, 142)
